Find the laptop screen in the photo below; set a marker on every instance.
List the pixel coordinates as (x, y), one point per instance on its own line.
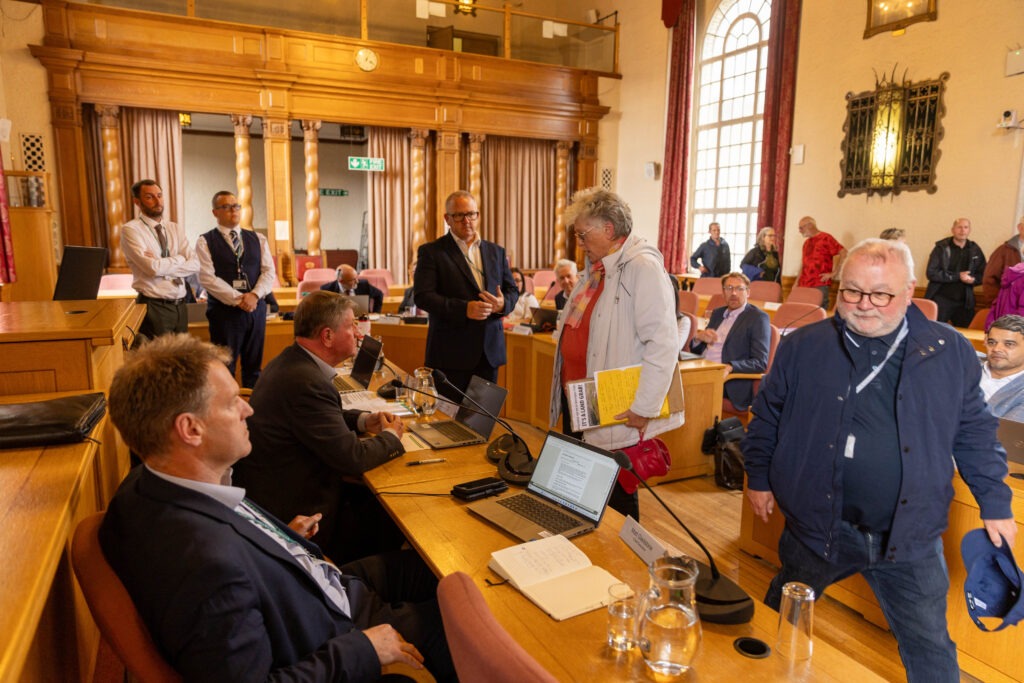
(575, 475)
(1011, 435)
(366, 360)
(488, 395)
(80, 271)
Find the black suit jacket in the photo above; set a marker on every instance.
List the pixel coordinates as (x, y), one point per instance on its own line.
(746, 349)
(303, 443)
(363, 287)
(444, 285)
(560, 300)
(222, 600)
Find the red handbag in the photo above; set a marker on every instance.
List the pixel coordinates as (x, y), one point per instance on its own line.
(650, 458)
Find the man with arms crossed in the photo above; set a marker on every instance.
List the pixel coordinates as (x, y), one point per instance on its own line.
(852, 434)
(466, 285)
(237, 270)
(307, 449)
(1002, 376)
(228, 592)
(712, 257)
(161, 258)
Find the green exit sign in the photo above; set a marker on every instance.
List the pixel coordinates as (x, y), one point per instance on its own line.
(333, 192)
(365, 164)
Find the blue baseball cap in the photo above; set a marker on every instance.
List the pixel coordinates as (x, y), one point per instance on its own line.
(994, 581)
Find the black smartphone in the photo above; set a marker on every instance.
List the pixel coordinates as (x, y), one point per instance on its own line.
(479, 488)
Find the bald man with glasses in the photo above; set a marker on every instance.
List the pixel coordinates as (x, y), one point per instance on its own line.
(465, 284)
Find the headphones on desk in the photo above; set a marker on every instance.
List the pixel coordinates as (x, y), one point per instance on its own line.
(515, 464)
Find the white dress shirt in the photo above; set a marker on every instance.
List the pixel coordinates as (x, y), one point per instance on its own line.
(990, 385)
(221, 289)
(156, 276)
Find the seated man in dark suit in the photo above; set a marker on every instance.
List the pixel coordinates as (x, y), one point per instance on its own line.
(227, 591)
(350, 284)
(738, 335)
(307, 454)
(566, 276)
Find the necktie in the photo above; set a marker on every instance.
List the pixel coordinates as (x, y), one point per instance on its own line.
(162, 236)
(236, 243)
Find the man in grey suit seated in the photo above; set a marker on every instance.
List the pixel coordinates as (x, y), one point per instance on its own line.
(738, 334)
(227, 591)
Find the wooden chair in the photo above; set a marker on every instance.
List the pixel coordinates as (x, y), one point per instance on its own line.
(481, 648)
(728, 409)
(693, 329)
(112, 608)
(311, 284)
(805, 295)
(761, 290)
(792, 315)
(716, 301)
(979, 319)
(688, 302)
(321, 274)
(929, 308)
(707, 286)
(544, 278)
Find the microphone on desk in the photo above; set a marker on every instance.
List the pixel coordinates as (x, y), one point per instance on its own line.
(509, 451)
(720, 600)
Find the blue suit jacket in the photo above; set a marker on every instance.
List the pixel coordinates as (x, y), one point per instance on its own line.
(362, 287)
(444, 285)
(746, 349)
(221, 599)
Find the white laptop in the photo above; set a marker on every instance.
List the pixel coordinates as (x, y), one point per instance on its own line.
(468, 427)
(567, 494)
(362, 304)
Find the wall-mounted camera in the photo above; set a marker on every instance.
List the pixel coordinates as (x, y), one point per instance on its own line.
(1009, 119)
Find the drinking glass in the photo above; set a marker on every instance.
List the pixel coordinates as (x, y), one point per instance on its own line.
(796, 617)
(622, 607)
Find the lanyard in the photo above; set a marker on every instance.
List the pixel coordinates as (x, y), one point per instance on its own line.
(892, 350)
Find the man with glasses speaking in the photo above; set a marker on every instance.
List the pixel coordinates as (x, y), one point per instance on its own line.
(852, 435)
(738, 335)
(465, 285)
(237, 271)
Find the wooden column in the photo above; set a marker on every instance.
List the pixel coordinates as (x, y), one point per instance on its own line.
(311, 154)
(562, 149)
(476, 141)
(243, 167)
(113, 181)
(277, 141)
(447, 177)
(418, 189)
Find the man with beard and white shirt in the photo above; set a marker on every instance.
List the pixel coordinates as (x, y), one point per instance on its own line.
(1002, 376)
(852, 435)
(161, 259)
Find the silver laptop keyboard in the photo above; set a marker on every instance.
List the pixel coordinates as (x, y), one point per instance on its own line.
(455, 431)
(532, 509)
(344, 386)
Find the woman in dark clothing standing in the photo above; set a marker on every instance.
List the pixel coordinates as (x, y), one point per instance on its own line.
(764, 256)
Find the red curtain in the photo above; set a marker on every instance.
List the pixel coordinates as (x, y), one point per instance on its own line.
(670, 10)
(7, 272)
(783, 46)
(675, 179)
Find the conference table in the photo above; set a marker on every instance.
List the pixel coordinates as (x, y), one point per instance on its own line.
(450, 539)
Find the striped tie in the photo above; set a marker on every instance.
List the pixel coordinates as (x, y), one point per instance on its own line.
(162, 237)
(236, 243)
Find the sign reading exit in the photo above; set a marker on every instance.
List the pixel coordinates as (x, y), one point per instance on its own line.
(333, 192)
(366, 164)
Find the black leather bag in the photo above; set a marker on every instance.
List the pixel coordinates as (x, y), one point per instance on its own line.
(722, 440)
(68, 419)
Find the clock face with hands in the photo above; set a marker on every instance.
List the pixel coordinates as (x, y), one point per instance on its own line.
(367, 59)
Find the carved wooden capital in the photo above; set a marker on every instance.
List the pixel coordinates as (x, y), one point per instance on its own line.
(563, 146)
(276, 129)
(418, 136)
(310, 125)
(476, 138)
(110, 115)
(448, 141)
(241, 122)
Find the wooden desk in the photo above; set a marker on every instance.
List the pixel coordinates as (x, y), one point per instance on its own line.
(987, 656)
(450, 539)
(46, 631)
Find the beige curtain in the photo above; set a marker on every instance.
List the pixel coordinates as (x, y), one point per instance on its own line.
(518, 198)
(389, 220)
(151, 148)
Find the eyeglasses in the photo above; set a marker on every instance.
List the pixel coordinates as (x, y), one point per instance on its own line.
(582, 236)
(460, 217)
(229, 207)
(729, 289)
(855, 296)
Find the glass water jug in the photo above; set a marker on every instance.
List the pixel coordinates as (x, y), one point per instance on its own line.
(668, 628)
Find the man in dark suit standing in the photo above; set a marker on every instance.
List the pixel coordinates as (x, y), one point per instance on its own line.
(227, 591)
(237, 270)
(307, 450)
(466, 285)
(350, 284)
(738, 335)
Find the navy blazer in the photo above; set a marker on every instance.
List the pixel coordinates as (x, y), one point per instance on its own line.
(746, 349)
(363, 287)
(444, 285)
(221, 599)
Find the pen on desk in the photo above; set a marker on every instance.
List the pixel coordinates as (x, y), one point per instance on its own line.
(428, 461)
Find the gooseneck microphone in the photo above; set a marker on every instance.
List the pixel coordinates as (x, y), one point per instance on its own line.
(509, 451)
(720, 600)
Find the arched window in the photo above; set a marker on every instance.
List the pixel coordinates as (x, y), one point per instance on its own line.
(729, 123)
